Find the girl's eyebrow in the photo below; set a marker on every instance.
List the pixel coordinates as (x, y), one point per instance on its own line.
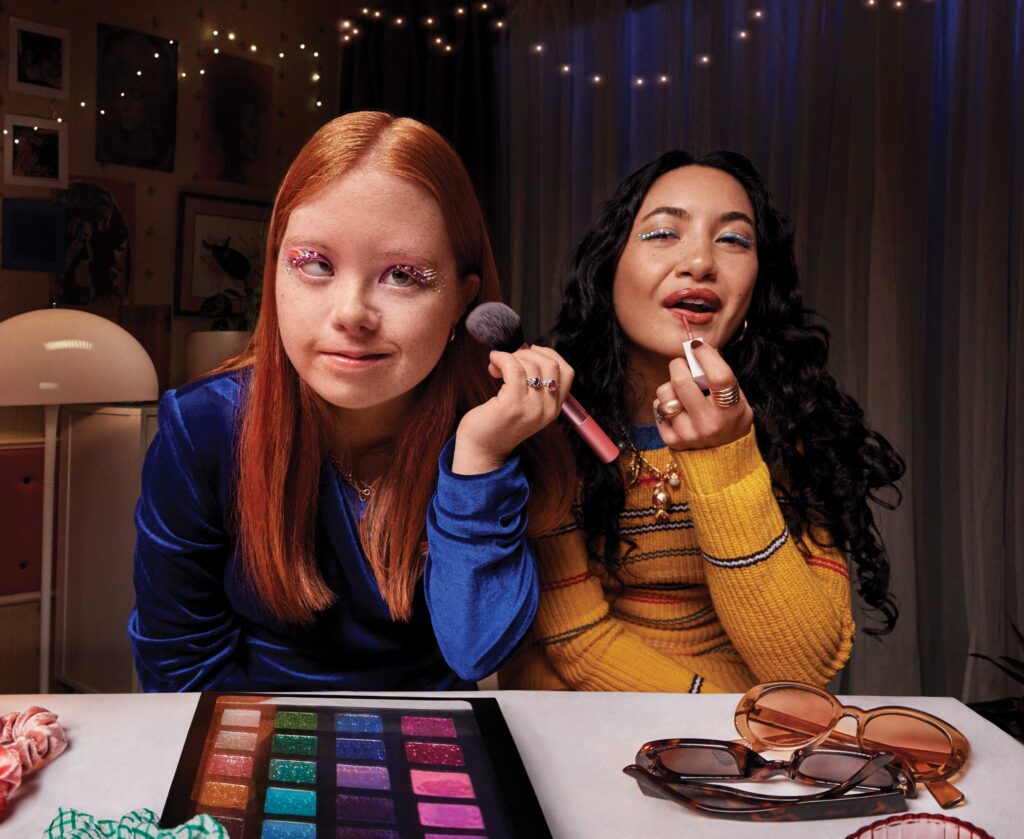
(406, 256)
(679, 212)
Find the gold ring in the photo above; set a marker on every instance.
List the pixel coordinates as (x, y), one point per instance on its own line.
(726, 397)
(670, 408)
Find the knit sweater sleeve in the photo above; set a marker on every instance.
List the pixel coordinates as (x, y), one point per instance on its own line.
(787, 611)
(587, 646)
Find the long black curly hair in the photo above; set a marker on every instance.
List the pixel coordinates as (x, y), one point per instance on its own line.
(826, 464)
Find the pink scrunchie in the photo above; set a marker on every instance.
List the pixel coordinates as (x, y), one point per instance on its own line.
(28, 740)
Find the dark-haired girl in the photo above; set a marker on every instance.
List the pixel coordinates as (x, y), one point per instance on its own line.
(717, 552)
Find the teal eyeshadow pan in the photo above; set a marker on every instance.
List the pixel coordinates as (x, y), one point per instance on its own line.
(283, 801)
(293, 771)
(294, 744)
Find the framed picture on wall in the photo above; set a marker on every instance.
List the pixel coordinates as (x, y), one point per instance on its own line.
(35, 151)
(39, 59)
(33, 235)
(220, 249)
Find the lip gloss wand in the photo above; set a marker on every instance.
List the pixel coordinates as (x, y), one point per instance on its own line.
(695, 369)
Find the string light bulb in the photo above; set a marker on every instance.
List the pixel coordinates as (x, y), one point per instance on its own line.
(499, 24)
(639, 81)
(538, 48)
(231, 36)
(705, 59)
(742, 34)
(460, 10)
(596, 79)
(662, 79)
(252, 48)
(566, 69)
(216, 32)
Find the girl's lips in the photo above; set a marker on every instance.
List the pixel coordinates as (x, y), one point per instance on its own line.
(352, 362)
(695, 318)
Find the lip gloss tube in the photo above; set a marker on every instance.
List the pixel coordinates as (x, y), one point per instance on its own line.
(695, 369)
(589, 430)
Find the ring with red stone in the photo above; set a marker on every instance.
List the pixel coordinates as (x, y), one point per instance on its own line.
(551, 384)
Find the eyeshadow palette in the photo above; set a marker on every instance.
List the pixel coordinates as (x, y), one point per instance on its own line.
(353, 767)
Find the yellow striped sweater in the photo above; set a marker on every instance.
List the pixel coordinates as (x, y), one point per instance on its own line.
(716, 598)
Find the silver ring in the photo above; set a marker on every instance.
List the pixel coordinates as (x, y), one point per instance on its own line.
(534, 382)
(658, 418)
(551, 384)
(726, 397)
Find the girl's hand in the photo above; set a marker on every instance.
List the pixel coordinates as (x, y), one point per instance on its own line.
(702, 423)
(489, 433)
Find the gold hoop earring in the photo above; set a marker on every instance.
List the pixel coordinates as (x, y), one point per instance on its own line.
(741, 336)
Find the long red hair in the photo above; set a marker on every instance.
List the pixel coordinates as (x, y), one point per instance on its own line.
(285, 426)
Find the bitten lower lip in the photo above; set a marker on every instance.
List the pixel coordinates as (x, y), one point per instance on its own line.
(352, 362)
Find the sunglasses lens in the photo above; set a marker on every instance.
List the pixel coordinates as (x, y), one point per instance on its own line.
(701, 762)
(789, 717)
(836, 768)
(923, 745)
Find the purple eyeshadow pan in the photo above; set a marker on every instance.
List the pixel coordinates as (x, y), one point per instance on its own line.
(428, 726)
(366, 808)
(359, 749)
(368, 833)
(237, 766)
(442, 784)
(461, 816)
(434, 754)
(363, 777)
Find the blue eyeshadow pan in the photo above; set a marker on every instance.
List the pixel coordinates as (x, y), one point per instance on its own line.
(358, 724)
(273, 829)
(360, 749)
(290, 802)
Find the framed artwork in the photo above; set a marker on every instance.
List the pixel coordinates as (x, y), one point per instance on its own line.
(39, 59)
(238, 101)
(221, 243)
(33, 235)
(35, 151)
(137, 92)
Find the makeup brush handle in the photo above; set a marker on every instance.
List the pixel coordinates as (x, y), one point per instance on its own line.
(593, 435)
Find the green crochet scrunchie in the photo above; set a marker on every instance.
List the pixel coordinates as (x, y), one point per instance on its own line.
(138, 824)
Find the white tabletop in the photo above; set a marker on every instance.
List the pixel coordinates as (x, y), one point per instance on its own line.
(124, 749)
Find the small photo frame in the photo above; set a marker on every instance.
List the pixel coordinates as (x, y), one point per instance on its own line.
(34, 235)
(39, 59)
(221, 244)
(35, 152)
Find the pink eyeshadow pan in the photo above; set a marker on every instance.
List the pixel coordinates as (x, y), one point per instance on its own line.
(238, 766)
(428, 726)
(242, 717)
(442, 784)
(460, 816)
(242, 741)
(435, 754)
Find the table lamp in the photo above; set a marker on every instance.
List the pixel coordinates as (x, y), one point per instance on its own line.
(56, 356)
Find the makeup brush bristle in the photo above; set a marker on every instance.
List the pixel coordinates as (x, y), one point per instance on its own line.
(497, 326)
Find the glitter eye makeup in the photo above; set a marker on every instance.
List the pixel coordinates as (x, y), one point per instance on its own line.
(660, 233)
(297, 257)
(428, 277)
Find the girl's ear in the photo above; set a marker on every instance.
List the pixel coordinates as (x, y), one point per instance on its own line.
(470, 288)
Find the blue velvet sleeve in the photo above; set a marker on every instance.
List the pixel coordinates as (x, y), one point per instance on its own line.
(480, 578)
(183, 631)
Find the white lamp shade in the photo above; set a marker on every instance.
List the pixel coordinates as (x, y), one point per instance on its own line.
(63, 356)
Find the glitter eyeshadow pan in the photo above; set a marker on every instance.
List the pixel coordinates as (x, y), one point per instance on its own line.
(436, 754)
(358, 724)
(370, 833)
(294, 744)
(274, 829)
(237, 766)
(293, 771)
(461, 816)
(366, 808)
(442, 784)
(219, 794)
(282, 801)
(359, 776)
(242, 741)
(428, 726)
(241, 717)
(295, 719)
(359, 749)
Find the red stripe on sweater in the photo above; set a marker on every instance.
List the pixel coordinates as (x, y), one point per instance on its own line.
(644, 597)
(568, 581)
(830, 564)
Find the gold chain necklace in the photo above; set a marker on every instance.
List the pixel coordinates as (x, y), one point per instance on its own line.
(670, 477)
(362, 488)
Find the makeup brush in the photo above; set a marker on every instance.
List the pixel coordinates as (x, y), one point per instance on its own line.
(497, 326)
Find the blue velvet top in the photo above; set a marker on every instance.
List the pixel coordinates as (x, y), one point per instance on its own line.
(196, 625)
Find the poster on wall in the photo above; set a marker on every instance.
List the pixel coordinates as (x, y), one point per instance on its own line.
(35, 151)
(137, 95)
(236, 121)
(33, 235)
(39, 59)
(221, 243)
(98, 254)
